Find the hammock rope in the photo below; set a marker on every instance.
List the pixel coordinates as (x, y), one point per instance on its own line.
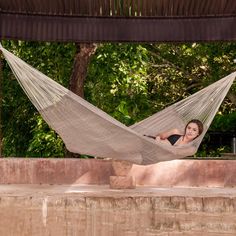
(85, 129)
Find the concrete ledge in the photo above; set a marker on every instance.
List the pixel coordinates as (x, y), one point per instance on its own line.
(54, 171)
(52, 207)
(189, 173)
(60, 210)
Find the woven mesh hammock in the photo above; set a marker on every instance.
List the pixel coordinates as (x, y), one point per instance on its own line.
(85, 129)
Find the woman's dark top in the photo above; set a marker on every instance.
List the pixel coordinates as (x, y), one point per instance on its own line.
(173, 138)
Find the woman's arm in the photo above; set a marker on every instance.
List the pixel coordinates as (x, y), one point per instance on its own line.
(165, 135)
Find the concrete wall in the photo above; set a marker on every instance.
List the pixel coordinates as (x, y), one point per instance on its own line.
(206, 173)
(49, 197)
(63, 215)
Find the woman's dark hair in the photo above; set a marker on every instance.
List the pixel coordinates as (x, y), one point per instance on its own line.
(198, 123)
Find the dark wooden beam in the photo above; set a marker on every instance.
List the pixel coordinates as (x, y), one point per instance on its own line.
(118, 20)
(106, 29)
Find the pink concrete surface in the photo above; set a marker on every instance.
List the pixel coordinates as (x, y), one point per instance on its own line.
(97, 210)
(54, 171)
(66, 197)
(190, 173)
(195, 173)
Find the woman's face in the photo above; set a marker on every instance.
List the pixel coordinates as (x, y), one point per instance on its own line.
(192, 131)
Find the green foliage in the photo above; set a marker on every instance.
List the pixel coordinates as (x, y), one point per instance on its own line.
(117, 83)
(16, 117)
(25, 134)
(224, 122)
(128, 81)
(204, 151)
(131, 82)
(45, 142)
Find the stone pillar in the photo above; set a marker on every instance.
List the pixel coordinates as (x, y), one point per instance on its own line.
(121, 178)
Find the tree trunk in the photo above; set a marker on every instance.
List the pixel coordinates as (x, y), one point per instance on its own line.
(82, 59)
(232, 97)
(83, 55)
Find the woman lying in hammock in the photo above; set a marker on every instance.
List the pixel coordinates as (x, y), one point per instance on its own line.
(193, 129)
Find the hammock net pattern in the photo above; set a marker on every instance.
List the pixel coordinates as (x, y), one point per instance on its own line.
(85, 129)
